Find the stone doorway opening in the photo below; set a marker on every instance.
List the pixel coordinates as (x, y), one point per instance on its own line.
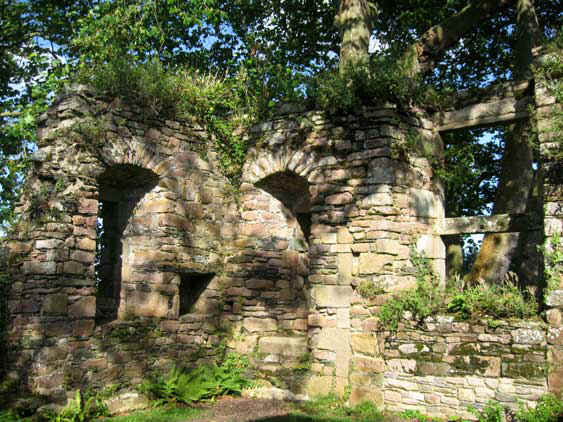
(120, 188)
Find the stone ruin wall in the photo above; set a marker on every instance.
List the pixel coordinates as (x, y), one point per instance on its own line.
(551, 151)
(325, 204)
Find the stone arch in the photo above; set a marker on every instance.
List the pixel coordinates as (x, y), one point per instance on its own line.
(263, 163)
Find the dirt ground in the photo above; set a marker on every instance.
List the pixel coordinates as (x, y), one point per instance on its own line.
(238, 409)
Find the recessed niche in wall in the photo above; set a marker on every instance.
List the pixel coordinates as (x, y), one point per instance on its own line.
(292, 191)
(121, 187)
(192, 285)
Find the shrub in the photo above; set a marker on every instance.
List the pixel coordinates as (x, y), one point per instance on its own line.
(422, 301)
(497, 301)
(548, 409)
(382, 79)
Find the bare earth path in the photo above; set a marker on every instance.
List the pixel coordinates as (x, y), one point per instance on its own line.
(243, 410)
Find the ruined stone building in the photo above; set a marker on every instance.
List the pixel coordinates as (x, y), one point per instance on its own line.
(184, 263)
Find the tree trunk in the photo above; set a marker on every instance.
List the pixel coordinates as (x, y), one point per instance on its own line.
(499, 250)
(354, 20)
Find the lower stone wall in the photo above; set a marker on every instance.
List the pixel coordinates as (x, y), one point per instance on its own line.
(443, 366)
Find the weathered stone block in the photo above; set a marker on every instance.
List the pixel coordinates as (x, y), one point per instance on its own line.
(149, 304)
(260, 324)
(528, 336)
(83, 308)
(288, 346)
(365, 364)
(55, 304)
(361, 394)
(365, 344)
(36, 267)
(332, 296)
(555, 298)
(372, 263)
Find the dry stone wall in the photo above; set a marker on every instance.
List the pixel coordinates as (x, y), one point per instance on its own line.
(444, 366)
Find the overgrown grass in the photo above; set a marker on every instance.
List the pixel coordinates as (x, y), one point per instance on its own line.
(503, 300)
(331, 408)
(222, 105)
(162, 414)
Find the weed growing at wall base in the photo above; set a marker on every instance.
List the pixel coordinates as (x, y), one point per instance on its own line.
(496, 301)
(204, 382)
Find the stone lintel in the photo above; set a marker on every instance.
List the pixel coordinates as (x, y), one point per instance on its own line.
(499, 223)
(502, 103)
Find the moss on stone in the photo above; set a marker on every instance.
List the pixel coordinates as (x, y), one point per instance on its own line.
(470, 365)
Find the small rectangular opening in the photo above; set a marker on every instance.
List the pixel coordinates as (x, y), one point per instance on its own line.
(192, 285)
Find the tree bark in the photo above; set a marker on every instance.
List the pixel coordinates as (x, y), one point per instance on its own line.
(354, 20)
(420, 56)
(499, 251)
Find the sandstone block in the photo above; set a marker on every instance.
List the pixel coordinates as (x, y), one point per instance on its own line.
(339, 198)
(365, 344)
(345, 268)
(554, 317)
(126, 402)
(83, 328)
(48, 244)
(37, 267)
(344, 236)
(372, 365)
(332, 296)
(372, 263)
(260, 324)
(555, 298)
(361, 394)
(528, 336)
(86, 244)
(87, 206)
(55, 304)
(149, 304)
(83, 308)
(426, 204)
(289, 346)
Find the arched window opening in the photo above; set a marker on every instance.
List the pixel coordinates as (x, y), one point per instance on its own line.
(121, 187)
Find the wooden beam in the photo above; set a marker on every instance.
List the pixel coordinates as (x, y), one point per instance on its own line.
(499, 223)
(501, 103)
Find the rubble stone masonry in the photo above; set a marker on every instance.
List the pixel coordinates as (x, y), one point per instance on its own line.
(134, 253)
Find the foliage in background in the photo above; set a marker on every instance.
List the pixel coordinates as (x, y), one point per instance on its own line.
(383, 79)
(204, 382)
(553, 259)
(83, 408)
(497, 301)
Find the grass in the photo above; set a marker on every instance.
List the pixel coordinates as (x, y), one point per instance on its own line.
(162, 414)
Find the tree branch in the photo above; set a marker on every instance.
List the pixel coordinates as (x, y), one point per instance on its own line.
(420, 56)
